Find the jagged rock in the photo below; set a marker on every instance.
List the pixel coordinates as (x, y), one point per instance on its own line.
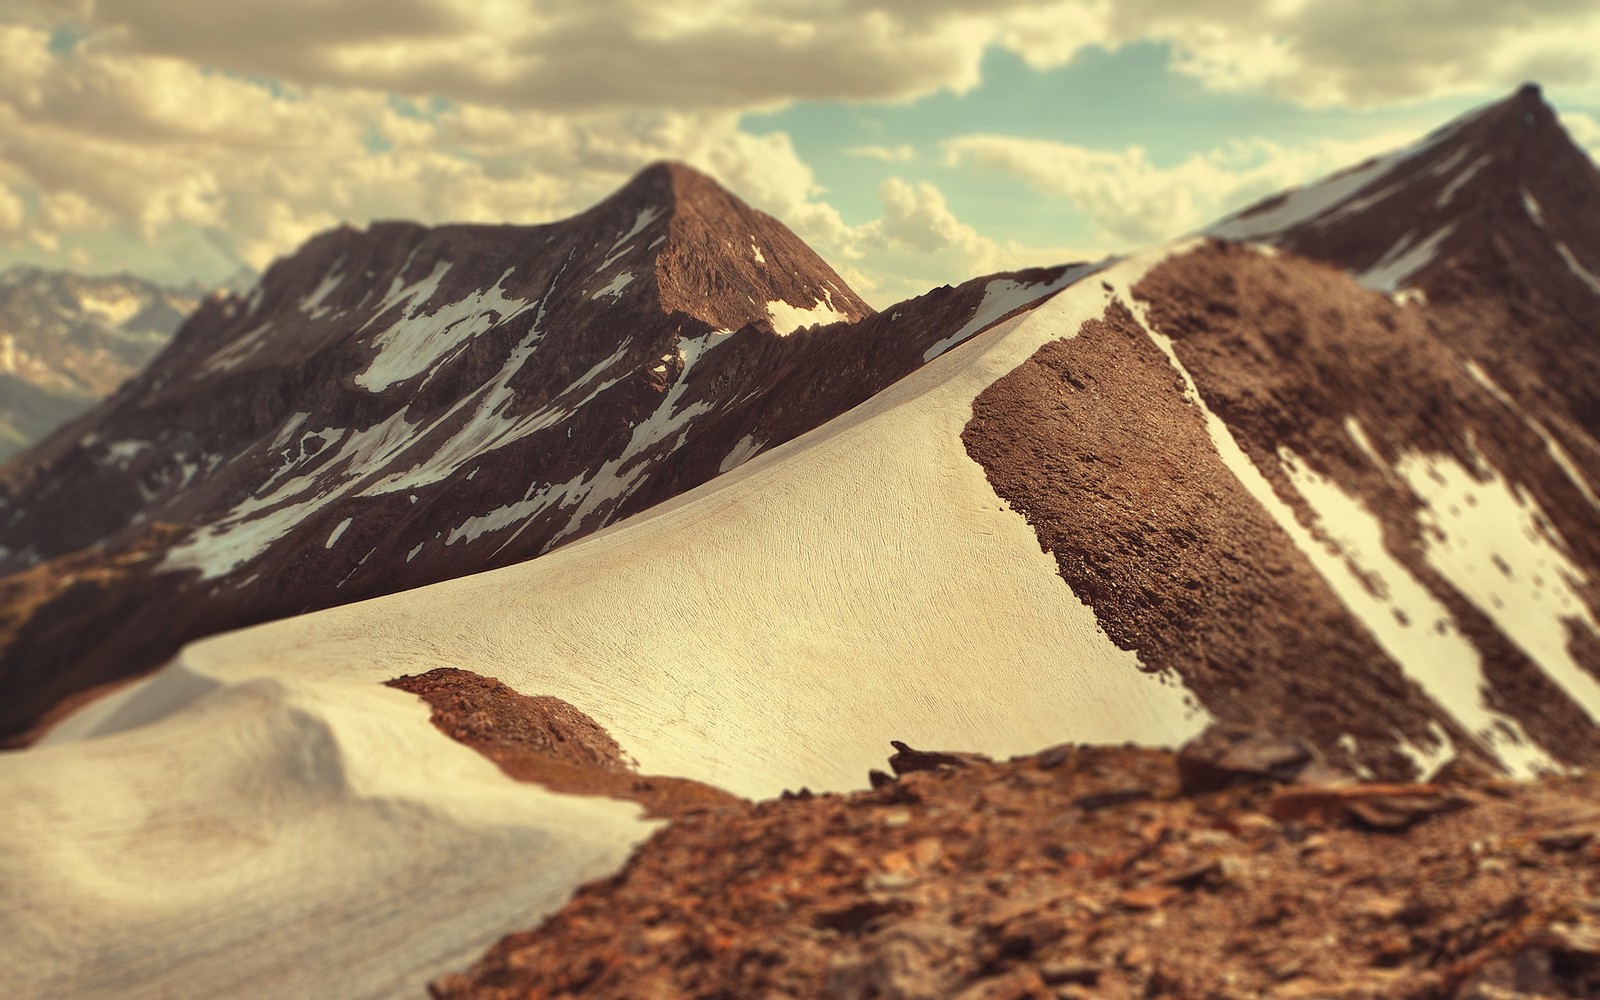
(1223, 756)
(906, 760)
(1391, 808)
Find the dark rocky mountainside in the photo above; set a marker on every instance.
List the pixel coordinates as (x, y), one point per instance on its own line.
(1384, 502)
(68, 340)
(397, 406)
(1491, 220)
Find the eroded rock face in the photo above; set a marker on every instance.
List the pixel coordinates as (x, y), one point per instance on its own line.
(1367, 518)
(397, 406)
(495, 720)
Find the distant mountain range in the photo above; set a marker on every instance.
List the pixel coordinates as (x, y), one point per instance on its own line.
(68, 340)
(1329, 467)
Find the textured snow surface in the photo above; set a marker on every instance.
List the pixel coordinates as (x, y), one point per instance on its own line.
(1001, 296)
(262, 819)
(274, 838)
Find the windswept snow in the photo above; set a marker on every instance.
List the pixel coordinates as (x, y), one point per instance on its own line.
(272, 838)
(760, 257)
(867, 559)
(771, 629)
(419, 341)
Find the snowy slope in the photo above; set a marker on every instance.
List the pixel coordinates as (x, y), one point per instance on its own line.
(773, 628)
(274, 837)
(758, 632)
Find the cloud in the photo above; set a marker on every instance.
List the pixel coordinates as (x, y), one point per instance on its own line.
(901, 153)
(746, 54)
(1585, 131)
(179, 136)
(1134, 201)
(918, 242)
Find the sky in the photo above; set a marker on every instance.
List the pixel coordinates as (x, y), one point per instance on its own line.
(912, 143)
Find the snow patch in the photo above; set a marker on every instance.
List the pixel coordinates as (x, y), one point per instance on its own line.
(756, 251)
(1404, 259)
(787, 318)
(644, 217)
(337, 531)
(1552, 447)
(1003, 295)
(1577, 268)
(1461, 179)
(1491, 540)
(614, 289)
(747, 448)
(418, 342)
(1412, 625)
(312, 305)
(1531, 206)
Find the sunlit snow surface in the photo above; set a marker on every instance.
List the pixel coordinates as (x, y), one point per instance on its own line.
(261, 818)
(788, 318)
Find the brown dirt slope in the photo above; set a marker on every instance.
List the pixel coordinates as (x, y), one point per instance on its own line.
(546, 740)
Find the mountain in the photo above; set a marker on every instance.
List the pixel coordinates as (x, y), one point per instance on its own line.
(68, 340)
(1489, 221)
(1215, 481)
(393, 407)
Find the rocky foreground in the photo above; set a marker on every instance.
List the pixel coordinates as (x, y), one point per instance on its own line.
(1241, 866)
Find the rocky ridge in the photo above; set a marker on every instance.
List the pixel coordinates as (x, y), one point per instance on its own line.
(1073, 872)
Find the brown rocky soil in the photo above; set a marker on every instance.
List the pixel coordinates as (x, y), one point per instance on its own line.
(1093, 871)
(547, 740)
